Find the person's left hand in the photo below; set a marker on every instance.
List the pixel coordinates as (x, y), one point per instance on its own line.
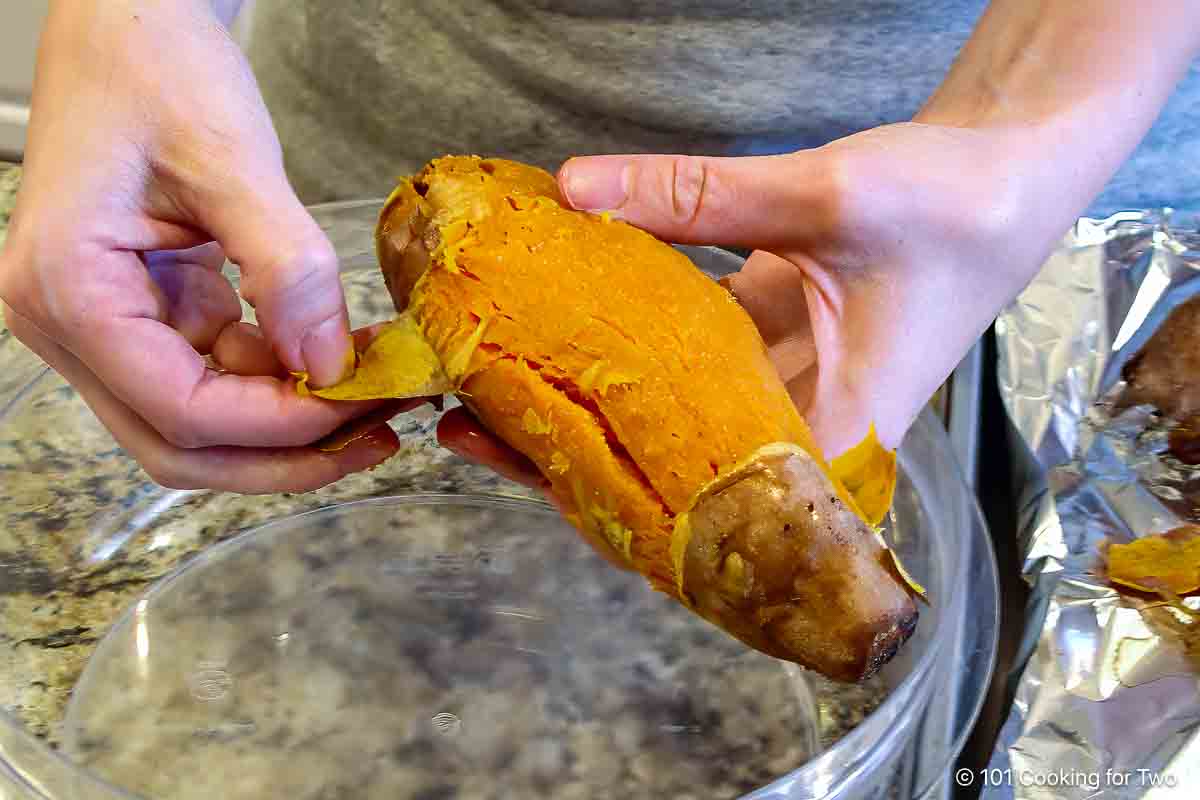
(878, 261)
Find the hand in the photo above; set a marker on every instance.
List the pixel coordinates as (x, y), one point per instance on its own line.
(151, 159)
(877, 260)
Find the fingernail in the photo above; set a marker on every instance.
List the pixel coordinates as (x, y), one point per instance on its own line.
(369, 451)
(328, 353)
(596, 184)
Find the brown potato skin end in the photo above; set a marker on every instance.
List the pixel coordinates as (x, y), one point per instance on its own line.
(779, 561)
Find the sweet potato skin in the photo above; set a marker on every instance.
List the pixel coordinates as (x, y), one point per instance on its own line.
(1166, 372)
(778, 560)
(636, 385)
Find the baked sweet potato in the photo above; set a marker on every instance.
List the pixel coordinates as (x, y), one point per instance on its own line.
(643, 392)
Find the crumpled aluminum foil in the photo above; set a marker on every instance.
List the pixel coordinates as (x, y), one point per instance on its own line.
(1105, 706)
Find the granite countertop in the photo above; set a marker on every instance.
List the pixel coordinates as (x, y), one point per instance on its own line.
(83, 533)
(10, 176)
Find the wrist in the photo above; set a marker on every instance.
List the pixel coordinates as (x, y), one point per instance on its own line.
(1043, 86)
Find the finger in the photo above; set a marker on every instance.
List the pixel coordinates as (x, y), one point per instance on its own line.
(753, 202)
(367, 423)
(236, 469)
(241, 348)
(364, 336)
(773, 292)
(459, 432)
(111, 320)
(200, 300)
(208, 255)
(289, 269)
(248, 470)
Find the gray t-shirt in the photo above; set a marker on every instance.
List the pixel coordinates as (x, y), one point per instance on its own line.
(365, 90)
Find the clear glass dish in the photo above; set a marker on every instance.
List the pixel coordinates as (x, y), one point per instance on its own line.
(424, 630)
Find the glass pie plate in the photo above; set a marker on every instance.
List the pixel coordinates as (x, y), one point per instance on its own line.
(426, 630)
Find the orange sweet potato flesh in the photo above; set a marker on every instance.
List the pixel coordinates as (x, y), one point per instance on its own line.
(643, 392)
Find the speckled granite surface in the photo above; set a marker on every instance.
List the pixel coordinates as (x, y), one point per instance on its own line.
(10, 175)
(83, 533)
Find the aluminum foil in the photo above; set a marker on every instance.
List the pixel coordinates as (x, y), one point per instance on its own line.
(1106, 705)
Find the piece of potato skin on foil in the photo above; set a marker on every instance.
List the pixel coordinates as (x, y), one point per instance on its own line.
(1165, 373)
(644, 394)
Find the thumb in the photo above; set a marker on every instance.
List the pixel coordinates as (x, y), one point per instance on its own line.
(289, 271)
(753, 202)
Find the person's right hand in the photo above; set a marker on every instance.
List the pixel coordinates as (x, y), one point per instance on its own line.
(150, 159)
